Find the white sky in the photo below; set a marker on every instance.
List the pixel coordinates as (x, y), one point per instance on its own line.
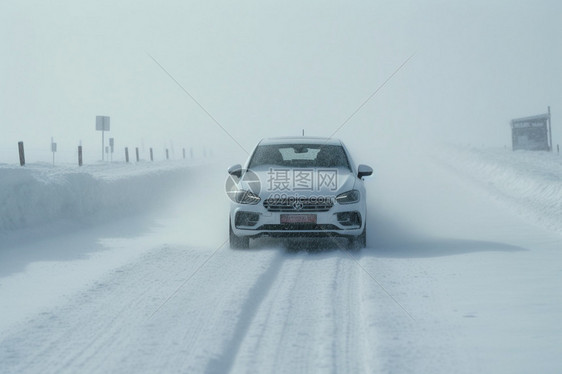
(265, 68)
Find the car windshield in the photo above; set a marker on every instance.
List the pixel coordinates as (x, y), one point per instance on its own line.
(300, 155)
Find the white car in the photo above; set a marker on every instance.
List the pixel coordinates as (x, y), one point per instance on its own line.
(295, 187)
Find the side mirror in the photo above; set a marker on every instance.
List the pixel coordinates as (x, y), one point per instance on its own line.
(364, 171)
(235, 170)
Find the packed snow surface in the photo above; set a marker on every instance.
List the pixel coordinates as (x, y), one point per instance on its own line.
(126, 268)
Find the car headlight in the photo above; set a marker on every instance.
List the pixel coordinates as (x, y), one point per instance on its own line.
(246, 197)
(348, 197)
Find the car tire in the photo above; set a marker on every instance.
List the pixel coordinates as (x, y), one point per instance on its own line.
(238, 242)
(360, 241)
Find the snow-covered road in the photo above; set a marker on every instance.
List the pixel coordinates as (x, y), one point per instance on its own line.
(452, 281)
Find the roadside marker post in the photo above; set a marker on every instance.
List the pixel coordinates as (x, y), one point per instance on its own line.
(21, 153)
(79, 155)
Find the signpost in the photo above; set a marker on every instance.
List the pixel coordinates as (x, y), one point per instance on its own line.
(102, 124)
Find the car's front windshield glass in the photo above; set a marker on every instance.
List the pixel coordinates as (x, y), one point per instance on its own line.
(300, 155)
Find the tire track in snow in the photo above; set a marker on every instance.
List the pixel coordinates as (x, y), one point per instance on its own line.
(349, 330)
(268, 319)
(256, 295)
(309, 321)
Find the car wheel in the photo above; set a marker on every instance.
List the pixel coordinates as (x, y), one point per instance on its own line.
(238, 242)
(360, 241)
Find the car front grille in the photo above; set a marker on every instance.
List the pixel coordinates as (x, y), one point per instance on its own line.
(299, 227)
(298, 205)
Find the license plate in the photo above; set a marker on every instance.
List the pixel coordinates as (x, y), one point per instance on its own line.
(298, 218)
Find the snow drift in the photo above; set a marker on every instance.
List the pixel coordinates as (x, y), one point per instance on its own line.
(529, 182)
(40, 193)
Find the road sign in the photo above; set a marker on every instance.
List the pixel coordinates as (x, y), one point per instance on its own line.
(532, 133)
(102, 123)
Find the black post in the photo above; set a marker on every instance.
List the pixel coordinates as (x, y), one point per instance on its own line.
(137, 152)
(549, 131)
(22, 153)
(167, 154)
(79, 155)
(151, 155)
(184, 153)
(126, 154)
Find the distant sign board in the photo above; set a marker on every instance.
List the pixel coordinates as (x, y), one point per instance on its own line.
(531, 133)
(102, 123)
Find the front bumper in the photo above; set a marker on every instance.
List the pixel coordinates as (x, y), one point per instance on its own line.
(254, 221)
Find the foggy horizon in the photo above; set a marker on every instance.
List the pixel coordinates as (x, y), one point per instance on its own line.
(265, 70)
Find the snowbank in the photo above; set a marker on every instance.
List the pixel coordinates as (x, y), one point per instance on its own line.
(530, 182)
(40, 193)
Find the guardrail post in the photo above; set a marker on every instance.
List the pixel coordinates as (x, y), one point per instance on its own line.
(79, 155)
(22, 153)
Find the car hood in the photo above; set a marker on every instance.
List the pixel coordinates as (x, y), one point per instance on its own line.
(301, 182)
